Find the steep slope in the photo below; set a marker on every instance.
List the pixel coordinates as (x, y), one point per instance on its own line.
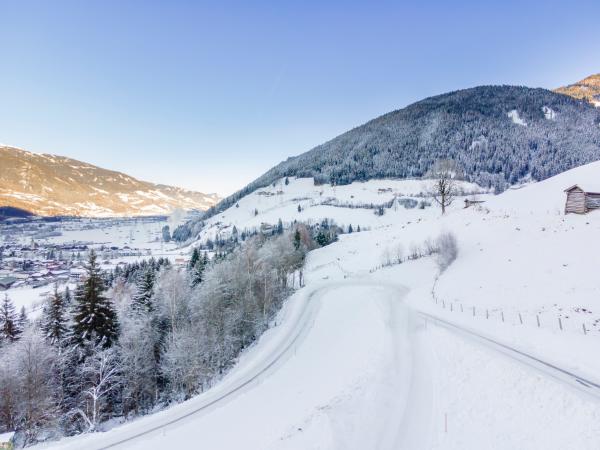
(498, 134)
(52, 185)
(586, 89)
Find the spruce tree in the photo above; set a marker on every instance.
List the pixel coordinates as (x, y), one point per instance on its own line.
(198, 271)
(94, 319)
(194, 259)
(54, 320)
(9, 321)
(142, 300)
(297, 239)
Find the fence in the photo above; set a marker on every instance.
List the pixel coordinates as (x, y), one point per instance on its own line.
(540, 319)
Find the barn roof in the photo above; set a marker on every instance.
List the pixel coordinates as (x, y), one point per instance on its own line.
(596, 189)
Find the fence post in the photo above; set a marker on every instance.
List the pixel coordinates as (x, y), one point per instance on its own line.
(520, 318)
(502, 314)
(487, 314)
(560, 324)
(450, 307)
(537, 317)
(473, 311)
(461, 308)
(443, 304)
(584, 330)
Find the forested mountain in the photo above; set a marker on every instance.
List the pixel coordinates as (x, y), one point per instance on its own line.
(50, 185)
(497, 134)
(587, 89)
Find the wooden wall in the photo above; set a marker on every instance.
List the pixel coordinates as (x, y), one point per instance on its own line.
(576, 202)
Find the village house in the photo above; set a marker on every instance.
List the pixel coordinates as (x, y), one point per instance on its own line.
(580, 201)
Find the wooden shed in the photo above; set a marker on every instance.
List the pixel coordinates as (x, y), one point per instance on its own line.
(580, 201)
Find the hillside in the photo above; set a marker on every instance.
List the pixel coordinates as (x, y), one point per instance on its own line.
(50, 185)
(587, 89)
(380, 344)
(500, 135)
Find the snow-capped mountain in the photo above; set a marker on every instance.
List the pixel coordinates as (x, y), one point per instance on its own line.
(50, 185)
(588, 89)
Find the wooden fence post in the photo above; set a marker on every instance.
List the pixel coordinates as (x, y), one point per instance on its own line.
(560, 324)
(537, 317)
(520, 318)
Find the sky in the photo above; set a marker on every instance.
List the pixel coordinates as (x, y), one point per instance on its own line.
(208, 96)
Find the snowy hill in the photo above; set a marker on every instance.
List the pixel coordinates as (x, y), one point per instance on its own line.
(497, 351)
(50, 185)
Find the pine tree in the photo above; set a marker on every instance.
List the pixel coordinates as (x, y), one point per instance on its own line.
(194, 258)
(9, 322)
(350, 228)
(142, 300)
(198, 271)
(22, 320)
(54, 320)
(297, 239)
(94, 318)
(279, 227)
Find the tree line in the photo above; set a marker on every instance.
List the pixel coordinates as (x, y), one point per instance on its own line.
(137, 339)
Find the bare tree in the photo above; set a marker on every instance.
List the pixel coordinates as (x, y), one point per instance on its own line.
(444, 172)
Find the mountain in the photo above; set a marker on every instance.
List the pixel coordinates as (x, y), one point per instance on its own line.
(500, 135)
(50, 185)
(588, 89)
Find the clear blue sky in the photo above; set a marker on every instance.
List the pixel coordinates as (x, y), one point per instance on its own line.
(209, 96)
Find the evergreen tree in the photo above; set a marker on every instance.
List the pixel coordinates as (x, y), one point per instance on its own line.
(322, 238)
(142, 300)
(94, 318)
(299, 208)
(22, 320)
(9, 321)
(198, 271)
(279, 227)
(350, 230)
(297, 239)
(194, 258)
(54, 320)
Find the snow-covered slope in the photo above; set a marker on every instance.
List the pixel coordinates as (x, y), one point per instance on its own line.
(50, 185)
(369, 370)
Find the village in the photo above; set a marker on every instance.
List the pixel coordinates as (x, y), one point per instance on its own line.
(41, 252)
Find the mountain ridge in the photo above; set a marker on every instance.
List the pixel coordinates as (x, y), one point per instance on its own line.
(51, 185)
(586, 89)
(498, 134)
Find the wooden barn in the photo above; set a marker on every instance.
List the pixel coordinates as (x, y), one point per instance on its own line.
(580, 201)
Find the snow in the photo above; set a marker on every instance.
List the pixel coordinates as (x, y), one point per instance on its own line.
(355, 363)
(514, 116)
(549, 113)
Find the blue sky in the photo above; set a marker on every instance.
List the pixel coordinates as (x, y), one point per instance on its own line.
(210, 95)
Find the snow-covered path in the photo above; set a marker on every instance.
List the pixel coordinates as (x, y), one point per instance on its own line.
(352, 367)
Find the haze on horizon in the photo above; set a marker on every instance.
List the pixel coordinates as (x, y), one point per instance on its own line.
(208, 97)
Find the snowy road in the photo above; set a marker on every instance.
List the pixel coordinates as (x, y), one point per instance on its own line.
(350, 366)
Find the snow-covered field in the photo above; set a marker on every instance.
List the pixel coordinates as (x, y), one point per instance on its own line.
(354, 364)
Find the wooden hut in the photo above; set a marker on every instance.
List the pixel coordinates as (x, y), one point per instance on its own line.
(580, 201)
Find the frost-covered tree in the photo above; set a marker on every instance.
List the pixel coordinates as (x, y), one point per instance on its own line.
(94, 318)
(55, 324)
(28, 386)
(9, 321)
(136, 349)
(142, 299)
(100, 377)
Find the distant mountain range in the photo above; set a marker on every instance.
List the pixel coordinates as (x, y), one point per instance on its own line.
(50, 185)
(587, 89)
(499, 135)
